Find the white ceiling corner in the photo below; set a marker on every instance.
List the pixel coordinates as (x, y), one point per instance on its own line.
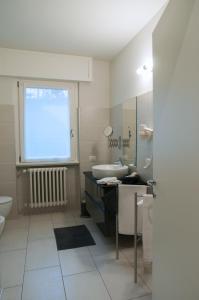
(97, 28)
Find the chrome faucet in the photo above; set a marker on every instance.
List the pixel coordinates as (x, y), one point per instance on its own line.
(120, 161)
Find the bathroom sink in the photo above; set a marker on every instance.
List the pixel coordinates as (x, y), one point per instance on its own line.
(101, 171)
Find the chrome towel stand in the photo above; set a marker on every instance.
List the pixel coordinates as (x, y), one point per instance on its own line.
(136, 234)
(150, 183)
(135, 237)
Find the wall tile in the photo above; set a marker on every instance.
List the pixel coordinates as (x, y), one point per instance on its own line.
(6, 113)
(95, 116)
(92, 132)
(7, 133)
(97, 92)
(7, 172)
(7, 153)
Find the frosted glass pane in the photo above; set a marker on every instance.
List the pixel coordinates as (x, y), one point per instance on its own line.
(46, 124)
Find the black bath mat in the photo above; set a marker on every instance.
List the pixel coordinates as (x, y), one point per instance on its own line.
(73, 237)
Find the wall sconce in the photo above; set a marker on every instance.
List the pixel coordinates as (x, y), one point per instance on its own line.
(146, 69)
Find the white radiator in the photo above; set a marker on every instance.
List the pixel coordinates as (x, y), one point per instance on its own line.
(47, 187)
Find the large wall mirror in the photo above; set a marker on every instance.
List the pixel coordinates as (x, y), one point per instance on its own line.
(123, 121)
(127, 120)
(129, 137)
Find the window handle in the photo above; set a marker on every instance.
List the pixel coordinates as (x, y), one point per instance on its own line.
(71, 133)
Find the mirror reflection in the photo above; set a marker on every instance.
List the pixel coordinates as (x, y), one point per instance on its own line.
(129, 131)
(123, 120)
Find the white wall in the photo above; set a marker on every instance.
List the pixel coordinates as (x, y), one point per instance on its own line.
(32, 64)
(94, 100)
(125, 83)
(176, 153)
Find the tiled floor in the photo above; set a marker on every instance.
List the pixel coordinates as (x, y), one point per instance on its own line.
(31, 268)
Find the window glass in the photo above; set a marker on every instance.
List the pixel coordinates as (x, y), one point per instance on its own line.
(46, 132)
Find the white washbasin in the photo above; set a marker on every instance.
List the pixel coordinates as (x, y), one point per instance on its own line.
(101, 171)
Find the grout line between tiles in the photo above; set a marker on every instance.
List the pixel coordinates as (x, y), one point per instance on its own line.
(144, 282)
(62, 275)
(43, 238)
(100, 275)
(59, 265)
(25, 258)
(140, 297)
(12, 250)
(70, 275)
(41, 268)
(139, 275)
(11, 286)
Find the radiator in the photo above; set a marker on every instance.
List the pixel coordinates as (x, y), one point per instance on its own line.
(47, 187)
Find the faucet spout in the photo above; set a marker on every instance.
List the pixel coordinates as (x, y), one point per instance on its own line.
(120, 161)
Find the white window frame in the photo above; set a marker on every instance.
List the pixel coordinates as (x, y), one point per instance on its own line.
(72, 88)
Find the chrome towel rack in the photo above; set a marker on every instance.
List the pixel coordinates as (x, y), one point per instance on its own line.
(136, 234)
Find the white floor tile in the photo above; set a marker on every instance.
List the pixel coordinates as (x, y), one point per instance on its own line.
(43, 279)
(146, 277)
(148, 297)
(13, 239)
(78, 261)
(98, 250)
(129, 254)
(64, 224)
(88, 286)
(76, 212)
(100, 239)
(40, 217)
(13, 293)
(62, 218)
(44, 284)
(118, 277)
(41, 253)
(22, 222)
(75, 251)
(12, 267)
(88, 223)
(40, 230)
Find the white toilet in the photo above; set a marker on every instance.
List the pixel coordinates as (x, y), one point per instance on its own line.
(2, 223)
(5, 205)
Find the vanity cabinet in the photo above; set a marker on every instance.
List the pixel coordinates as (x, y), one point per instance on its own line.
(101, 203)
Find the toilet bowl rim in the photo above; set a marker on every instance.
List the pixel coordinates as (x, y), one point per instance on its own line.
(2, 219)
(5, 199)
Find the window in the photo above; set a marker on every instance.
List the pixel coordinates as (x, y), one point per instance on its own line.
(48, 122)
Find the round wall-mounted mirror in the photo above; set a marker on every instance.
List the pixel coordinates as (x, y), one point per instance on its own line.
(108, 131)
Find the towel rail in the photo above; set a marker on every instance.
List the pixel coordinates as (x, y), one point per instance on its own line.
(135, 237)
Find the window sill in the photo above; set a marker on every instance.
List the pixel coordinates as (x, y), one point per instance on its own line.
(43, 164)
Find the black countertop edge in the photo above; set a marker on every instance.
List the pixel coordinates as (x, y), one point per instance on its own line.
(89, 175)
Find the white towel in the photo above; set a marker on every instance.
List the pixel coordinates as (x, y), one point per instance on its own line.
(148, 202)
(126, 208)
(109, 180)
